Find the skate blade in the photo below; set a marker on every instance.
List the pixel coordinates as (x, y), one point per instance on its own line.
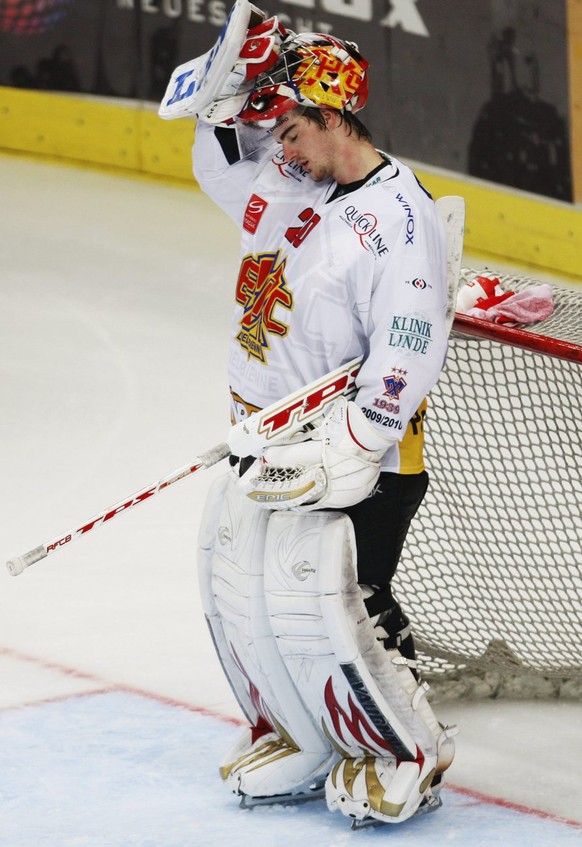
(429, 805)
(248, 802)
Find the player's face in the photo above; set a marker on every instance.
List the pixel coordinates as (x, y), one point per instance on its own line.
(308, 144)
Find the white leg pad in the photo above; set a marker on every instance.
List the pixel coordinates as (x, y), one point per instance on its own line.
(365, 699)
(231, 557)
(209, 529)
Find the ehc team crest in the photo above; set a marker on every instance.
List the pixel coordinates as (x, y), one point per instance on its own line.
(260, 288)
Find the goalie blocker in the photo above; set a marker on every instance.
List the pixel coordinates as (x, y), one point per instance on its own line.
(216, 85)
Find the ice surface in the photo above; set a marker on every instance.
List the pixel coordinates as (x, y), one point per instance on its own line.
(126, 771)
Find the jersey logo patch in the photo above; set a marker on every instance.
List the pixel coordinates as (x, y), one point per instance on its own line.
(260, 288)
(253, 213)
(365, 225)
(394, 384)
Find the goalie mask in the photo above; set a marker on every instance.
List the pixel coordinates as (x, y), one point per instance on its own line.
(312, 70)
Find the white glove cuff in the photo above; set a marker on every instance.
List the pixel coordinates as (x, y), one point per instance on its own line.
(364, 434)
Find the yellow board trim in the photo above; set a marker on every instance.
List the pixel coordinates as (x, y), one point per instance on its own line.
(512, 226)
(574, 29)
(127, 135)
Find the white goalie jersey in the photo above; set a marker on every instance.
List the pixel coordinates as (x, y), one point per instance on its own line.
(323, 281)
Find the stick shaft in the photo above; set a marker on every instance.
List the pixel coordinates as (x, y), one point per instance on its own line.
(205, 460)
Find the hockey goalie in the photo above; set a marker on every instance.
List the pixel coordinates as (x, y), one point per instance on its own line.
(344, 254)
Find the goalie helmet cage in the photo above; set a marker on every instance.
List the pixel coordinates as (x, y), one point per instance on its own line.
(491, 574)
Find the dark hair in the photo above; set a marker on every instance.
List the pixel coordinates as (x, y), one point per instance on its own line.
(354, 124)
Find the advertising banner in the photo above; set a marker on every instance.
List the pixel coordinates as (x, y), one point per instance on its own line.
(477, 87)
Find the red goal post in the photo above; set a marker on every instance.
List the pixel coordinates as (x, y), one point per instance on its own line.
(491, 574)
(527, 340)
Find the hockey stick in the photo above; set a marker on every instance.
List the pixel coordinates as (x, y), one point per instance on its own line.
(245, 438)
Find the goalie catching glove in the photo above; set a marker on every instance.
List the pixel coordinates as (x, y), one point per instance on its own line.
(333, 466)
(216, 86)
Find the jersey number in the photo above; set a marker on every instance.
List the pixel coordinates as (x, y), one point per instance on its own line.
(297, 234)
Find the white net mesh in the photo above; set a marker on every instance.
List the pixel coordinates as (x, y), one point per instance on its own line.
(491, 575)
(270, 474)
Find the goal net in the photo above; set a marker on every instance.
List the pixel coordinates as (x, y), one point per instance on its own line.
(491, 575)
